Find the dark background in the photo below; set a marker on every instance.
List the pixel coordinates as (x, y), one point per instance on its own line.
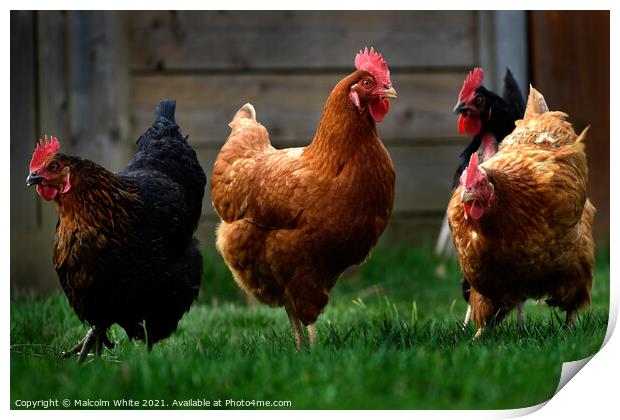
(93, 78)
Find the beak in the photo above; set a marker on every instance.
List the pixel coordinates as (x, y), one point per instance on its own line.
(460, 108)
(467, 196)
(33, 179)
(389, 93)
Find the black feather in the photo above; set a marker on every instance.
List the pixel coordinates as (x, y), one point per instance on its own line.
(512, 95)
(165, 109)
(498, 116)
(143, 267)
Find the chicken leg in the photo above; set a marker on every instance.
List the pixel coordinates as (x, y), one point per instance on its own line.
(95, 337)
(467, 317)
(520, 315)
(296, 327)
(570, 319)
(312, 336)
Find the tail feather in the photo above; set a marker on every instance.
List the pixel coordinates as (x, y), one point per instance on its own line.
(512, 95)
(535, 104)
(583, 135)
(165, 109)
(164, 148)
(246, 111)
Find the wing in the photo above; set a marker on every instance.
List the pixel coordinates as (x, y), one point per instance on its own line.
(547, 157)
(253, 181)
(162, 221)
(164, 149)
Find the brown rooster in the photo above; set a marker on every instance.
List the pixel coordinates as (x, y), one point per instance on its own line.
(294, 219)
(521, 221)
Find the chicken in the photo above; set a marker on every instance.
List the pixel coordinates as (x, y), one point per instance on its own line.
(487, 119)
(294, 219)
(521, 221)
(125, 252)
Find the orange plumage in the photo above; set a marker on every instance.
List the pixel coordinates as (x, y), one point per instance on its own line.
(294, 219)
(521, 221)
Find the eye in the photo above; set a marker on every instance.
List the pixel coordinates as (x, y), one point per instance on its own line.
(366, 83)
(53, 167)
(478, 100)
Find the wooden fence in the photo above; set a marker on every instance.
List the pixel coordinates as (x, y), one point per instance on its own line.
(94, 78)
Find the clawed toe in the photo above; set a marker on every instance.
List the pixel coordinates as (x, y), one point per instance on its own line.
(94, 338)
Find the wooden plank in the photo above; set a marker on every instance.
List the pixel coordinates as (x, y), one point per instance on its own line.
(32, 270)
(291, 106)
(251, 40)
(31, 249)
(423, 177)
(570, 63)
(411, 230)
(502, 43)
(53, 100)
(402, 229)
(23, 118)
(99, 86)
(53, 94)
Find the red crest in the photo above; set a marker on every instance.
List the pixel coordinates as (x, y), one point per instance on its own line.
(472, 82)
(472, 173)
(373, 62)
(42, 151)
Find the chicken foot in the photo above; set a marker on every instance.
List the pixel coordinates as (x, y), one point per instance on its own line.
(96, 338)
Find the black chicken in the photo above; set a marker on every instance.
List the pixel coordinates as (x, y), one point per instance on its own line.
(125, 251)
(485, 116)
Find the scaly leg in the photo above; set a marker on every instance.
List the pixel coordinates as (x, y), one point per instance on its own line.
(467, 316)
(485, 312)
(296, 327)
(570, 319)
(312, 336)
(520, 314)
(478, 333)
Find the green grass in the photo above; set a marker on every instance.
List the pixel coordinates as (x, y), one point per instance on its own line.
(390, 338)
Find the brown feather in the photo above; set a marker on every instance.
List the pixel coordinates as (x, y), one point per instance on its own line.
(294, 219)
(535, 240)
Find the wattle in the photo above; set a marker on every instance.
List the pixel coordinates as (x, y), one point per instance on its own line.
(469, 126)
(473, 209)
(379, 109)
(47, 192)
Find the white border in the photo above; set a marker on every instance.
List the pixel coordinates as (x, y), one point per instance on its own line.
(592, 393)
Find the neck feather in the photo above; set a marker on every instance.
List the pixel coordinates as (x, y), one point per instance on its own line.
(343, 128)
(97, 197)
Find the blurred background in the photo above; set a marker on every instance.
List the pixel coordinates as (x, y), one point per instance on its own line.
(93, 78)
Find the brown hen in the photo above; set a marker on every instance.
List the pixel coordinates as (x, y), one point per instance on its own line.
(294, 219)
(521, 221)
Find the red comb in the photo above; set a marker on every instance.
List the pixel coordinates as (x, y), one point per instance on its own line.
(471, 83)
(472, 170)
(373, 62)
(42, 151)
